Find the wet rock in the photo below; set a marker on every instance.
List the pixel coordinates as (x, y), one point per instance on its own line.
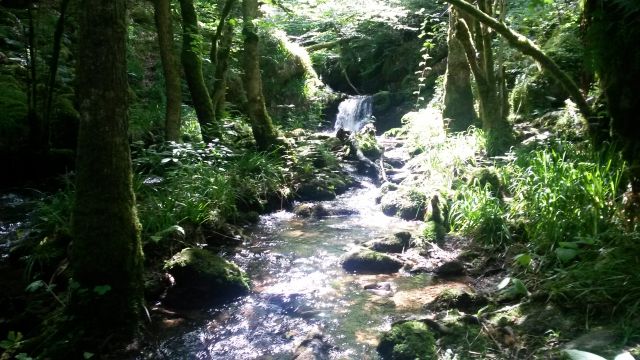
(202, 277)
(459, 299)
(408, 340)
(383, 289)
(310, 210)
(395, 244)
(313, 347)
(369, 262)
(450, 269)
(406, 203)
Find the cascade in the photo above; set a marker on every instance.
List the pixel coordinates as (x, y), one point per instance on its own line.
(354, 113)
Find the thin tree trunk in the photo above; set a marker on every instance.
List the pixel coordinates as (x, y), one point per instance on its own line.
(261, 125)
(192, 64)
(219, 55)
(170, 68)
(498, 131)
(527, 47)
(53, 67)
(458, 98)
(222, 67)
(107, 298)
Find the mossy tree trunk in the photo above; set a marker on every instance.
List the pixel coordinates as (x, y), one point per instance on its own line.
(220, 51)
(261, 125)
(527, 47)
(479, 53)
(106, 260)
(170, 69)
(192, 64)
(458, 98)
(612, 32)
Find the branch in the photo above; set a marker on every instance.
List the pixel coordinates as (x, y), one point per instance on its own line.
(529, 48)
(463, 35)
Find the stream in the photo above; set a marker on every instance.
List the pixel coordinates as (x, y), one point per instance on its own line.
(299, 287)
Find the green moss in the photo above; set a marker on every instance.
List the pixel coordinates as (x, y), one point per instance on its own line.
(368, 144)
(487, 177)
(407, 203)
(408, 341)
(207, 266)
(434, 232)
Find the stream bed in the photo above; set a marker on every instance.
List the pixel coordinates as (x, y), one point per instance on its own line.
(299, 288)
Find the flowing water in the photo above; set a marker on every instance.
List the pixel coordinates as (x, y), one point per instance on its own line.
(299, 287)
(354, 113)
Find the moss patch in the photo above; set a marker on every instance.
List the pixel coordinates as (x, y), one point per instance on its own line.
(408, 341)
(202, 276)
(371, 262)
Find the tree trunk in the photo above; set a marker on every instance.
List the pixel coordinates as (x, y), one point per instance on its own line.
(261, 125)
(458, 99)
(220, 50)
(173, 88)
(613, 31)
(498, 131)
(53, 67)
(192, 64)
(527, 47)
(222, 67)
(107, 297)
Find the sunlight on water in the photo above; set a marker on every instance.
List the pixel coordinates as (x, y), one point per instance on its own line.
(298, 287)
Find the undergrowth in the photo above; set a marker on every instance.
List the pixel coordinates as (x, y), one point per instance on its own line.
(562, 201)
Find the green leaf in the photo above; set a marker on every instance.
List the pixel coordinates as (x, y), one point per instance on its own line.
(568, 245)
(35, 286)
(565, 255)
(582, 355)
(523, 259)
(87, 355)
(102, 289)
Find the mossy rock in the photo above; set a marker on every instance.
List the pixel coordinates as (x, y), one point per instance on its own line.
(396, 244)
(315, 190)
(406, 203)
(311, 210)
(368, 144)
(434, 232)
(458, 299)
(409, 340)
(202, 277)
(365, 261)
(487, 177)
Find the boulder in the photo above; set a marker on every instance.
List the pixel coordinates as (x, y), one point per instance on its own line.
(406, 203)
(466, 301)
(313, 347)
(369, 262)
(315, 190)
(452, 268)
(395, 244)
(202, 277)
(311, 210)
(408, 341)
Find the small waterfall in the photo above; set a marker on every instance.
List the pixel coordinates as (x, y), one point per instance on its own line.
(354, 113)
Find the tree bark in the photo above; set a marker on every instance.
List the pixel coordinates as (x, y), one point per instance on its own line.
(261, 125)
(170, 69)
(106, 262)
(220, 50)
(498, 131)
(458, 98)
(192, 64)
(527, 47)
